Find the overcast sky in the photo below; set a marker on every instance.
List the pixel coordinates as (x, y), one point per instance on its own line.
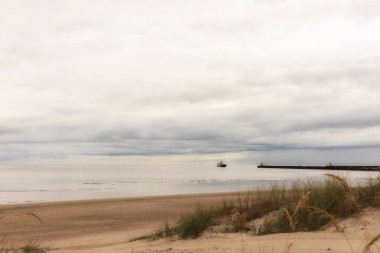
(171, 78)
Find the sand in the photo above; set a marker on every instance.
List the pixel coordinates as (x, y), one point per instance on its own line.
(99, 226)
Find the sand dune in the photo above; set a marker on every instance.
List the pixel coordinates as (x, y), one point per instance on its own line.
(107, 225)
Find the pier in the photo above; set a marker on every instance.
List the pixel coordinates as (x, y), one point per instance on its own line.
(325, 167)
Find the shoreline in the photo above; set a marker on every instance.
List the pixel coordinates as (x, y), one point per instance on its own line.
(147, 197)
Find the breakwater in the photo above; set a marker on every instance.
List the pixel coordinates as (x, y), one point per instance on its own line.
(325, 167)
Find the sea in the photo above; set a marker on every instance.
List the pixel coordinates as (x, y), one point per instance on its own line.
(68, 182)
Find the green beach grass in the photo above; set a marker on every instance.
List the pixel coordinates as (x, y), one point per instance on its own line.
(306, 205)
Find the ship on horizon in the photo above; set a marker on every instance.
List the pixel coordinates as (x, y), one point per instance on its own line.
(221, 164)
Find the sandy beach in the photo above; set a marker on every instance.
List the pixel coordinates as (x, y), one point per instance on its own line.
(108, 225)
(189, 126)
(75, 224)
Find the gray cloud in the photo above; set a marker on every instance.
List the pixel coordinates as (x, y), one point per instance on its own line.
(170, 78)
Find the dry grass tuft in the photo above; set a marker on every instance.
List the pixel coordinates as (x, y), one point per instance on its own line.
(341, 180)
(327, 215)
(236, 217)
(34, 216)
(350, 191)
(370, 243)
(33, 247)
(290, 219)
(287, 248)
(300, 205)
(239, 222)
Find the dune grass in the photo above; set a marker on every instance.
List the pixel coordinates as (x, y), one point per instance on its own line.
(32, 247)
(306, 205)
(191, 225)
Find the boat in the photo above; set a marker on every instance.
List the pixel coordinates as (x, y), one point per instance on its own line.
(221, 164)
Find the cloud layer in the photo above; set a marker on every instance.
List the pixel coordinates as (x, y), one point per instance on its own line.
(187, 77)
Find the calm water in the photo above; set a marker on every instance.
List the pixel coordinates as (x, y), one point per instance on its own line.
(22, 184)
